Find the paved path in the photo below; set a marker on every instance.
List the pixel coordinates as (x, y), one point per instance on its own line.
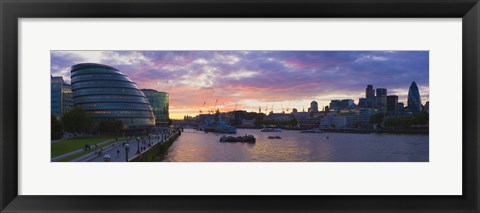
(121, 157)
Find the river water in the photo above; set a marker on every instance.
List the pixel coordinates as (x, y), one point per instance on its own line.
(197, 146)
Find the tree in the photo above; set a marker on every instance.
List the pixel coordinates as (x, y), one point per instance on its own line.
(422, 118)
(377, 119)
(110, 126)
(56, 128)
(77, 120)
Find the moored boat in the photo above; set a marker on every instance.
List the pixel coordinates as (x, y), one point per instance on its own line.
(271, 130)
(244, 139)
(312, 131)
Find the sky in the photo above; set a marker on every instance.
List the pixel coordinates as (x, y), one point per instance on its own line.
(249, 80)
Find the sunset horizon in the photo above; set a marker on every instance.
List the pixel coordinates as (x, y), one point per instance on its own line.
(277, 81)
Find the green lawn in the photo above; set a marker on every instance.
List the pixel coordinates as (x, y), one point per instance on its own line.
(73, 144)
(75, 156)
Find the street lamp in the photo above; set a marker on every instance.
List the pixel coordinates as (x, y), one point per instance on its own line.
(138, 147)
(107, 158)
(127, 148)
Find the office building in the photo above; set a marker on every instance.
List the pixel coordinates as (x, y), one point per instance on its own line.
(67, 96)
(414, 103)
(381, 99)
(341, 104)
(107, 94)
(392, 104)
(56, 96)
(313, 106)
(369, 93)
(159, 103)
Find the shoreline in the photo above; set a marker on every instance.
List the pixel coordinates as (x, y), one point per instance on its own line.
(358, 131)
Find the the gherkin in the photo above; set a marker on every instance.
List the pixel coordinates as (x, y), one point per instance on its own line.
(414, 102)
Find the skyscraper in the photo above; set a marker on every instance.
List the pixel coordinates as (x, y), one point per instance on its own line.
(392, 104)
(414, 102)
(313, 106)
(382, 99)
(369, 93)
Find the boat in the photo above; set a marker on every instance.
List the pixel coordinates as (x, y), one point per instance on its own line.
(217, 125)
(274, 137)
(243, 139)
(271, 130)
(312, 131)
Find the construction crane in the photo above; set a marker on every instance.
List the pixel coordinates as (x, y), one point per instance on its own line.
(202, 107)
(215, 106)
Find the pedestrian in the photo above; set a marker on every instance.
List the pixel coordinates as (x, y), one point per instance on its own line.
(118, 153)
(95, 145)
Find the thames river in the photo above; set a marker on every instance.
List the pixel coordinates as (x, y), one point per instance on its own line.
(294, 146)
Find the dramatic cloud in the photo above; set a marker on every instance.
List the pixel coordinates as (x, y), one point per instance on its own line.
(252, 79)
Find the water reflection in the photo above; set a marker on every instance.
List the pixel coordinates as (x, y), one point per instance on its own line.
(195, 146)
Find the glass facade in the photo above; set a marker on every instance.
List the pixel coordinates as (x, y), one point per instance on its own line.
(159, 103)
(382, 99)
(56, 84)
(67, 94)
(414, 102)
(392, 104)
(105, 94)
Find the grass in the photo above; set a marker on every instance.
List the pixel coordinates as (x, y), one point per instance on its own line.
(75, 156)
(73, 144)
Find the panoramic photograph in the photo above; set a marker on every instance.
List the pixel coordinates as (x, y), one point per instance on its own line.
(239, 106)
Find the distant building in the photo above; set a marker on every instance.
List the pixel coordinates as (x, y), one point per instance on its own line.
(67, 98)
(400, 108)
(414, 103)
(370, 93)
(367, 102)
(248, 122)
(364, 116)
(300, 115)
(313, 106)
(56, 101)
(427, 106)
(392, 104)
(333, 120)
(341, 104)
(278, 117)
(381, 99)
(309, 123)
(160, 105)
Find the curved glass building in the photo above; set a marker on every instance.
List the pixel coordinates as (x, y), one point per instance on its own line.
(107, 94)
(414, 102)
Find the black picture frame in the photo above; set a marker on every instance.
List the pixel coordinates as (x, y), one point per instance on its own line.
(11, 11)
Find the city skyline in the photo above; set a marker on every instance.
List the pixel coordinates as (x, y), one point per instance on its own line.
(251, 79)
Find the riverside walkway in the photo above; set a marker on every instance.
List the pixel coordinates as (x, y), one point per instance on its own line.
(136, 148)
